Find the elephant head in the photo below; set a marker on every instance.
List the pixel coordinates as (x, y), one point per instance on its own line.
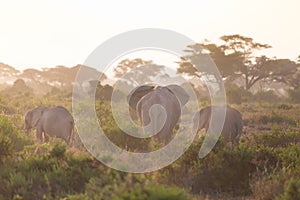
(135, 95)
(147, 101)
(138, 93)
(33, 117)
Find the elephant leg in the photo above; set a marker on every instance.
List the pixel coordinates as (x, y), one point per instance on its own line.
(232, 141)
(237, 140)
(46, 137)
(70, 141)
(67, 140)
(39, 134)
(232, 144)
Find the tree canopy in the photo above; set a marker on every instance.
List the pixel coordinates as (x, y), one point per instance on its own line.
(138, 71)
(237, 57)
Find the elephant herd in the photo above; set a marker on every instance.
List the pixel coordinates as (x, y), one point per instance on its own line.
(158, 109)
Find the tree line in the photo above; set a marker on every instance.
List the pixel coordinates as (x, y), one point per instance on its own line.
(237, 58)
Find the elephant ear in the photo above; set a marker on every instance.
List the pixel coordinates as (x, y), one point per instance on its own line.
(28, 118)
(180, 93)
(135, 95)
(36, 115)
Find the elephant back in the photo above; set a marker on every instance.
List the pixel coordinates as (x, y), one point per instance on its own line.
(58, 114)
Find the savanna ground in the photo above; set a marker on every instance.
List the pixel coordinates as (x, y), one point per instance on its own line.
(265, 165)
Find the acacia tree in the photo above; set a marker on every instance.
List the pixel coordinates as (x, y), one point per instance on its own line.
(126, 65)
(293, 80)
(235, 57)
(138, 71)
(198, 63)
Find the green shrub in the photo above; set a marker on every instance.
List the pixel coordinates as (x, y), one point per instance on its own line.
(222, 170)
(5, 148)
(52, 175)
(266, 159)
(276, 139)
(8, 129)
(161, 192)
(289, 156)
(291, 190)
(277, 119)
(225, 171)
(285, 106)
(19, 185)
(121, 186)
(115, 134)
(58, 151)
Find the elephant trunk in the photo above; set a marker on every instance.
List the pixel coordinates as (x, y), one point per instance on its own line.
(26, 128)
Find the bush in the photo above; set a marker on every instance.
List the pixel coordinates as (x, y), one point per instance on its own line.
(5, 148)
(289, 156)
(291, 190)
(121, 186)
(115, 134)
(222, 170)
(266, 96)
(276, 139)
(58, 151)
(294, 95)
(266, 188)
(276, 119)
(8, 129)
(285, 106)
(266, 159)
(237, 95)
(47, 175)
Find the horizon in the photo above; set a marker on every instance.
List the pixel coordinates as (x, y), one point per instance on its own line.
(44, 35)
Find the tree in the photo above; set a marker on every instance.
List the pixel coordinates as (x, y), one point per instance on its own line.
(285, 71)
(32, 74)
(126, 65)
(64, 76)
(138, 71)
(293, 80)
(236, 57)
(60, 74)
(18, 87)
(198, 61)
(6, 70)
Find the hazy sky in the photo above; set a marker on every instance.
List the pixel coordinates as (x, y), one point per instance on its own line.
(40, 34)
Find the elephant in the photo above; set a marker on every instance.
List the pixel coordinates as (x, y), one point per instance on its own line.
(148, 100)
(233, 124)
(55, 122)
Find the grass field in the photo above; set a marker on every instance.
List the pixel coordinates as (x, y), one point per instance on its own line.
(265, 165)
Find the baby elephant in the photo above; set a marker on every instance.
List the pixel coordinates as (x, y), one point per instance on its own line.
(233, 124)
(55, 122)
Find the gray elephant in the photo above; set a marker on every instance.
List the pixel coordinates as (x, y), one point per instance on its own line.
(158, 108)
(55, 122)
(233, 124)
